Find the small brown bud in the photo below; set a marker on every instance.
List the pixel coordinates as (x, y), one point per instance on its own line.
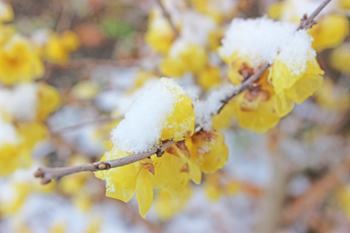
(102, 166)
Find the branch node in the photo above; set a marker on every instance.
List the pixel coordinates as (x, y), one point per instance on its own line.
(39, 173)
(159, 152)
(104, 166)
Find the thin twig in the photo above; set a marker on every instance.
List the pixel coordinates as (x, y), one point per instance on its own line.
(168, 17)
(47, 173)
(88, 62)
(308, 22)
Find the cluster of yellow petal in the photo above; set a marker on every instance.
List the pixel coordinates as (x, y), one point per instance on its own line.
(294, 88)
(209, 150)
(273, 95)
(180, 163)
(209, 77)
(184, 161)
(180, 123)
(329, 32)
(19, 62)
(189, 58)
(58, 47)
(159, 34)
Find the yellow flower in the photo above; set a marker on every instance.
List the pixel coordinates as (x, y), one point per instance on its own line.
(294, 88)
(159, 35)
(340, 58)
(255, 110)
(331, 97)
(329, 32)
(19, 62)
(6, 12)
(209, 150)
(59, 47)
(49, 100)
(9, 158)
(167, 205)
(209, 77)
(180, 123)
(182, 58)
(123, 182)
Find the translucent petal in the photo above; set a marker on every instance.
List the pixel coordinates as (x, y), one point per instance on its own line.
(144, 192)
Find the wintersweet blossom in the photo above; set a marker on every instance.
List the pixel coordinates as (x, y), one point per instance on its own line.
(293, 77)
(19, 62)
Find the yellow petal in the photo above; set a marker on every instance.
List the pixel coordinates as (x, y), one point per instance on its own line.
(144, 192)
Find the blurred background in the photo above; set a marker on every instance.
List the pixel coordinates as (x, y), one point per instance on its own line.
(69, 69)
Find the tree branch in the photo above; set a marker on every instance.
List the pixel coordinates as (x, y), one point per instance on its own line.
(308, 22)
(47, 173)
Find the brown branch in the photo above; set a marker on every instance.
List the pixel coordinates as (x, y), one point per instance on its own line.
(317, 193)
(168, 17)
(308, 22)
(88, 62)
(48, 173)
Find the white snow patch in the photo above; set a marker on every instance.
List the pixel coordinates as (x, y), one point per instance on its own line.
(205, 109)
(264, 40)
(143, 123)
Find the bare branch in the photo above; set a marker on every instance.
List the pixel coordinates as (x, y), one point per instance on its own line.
(47, 173)
(308, 22)
(167, 16)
